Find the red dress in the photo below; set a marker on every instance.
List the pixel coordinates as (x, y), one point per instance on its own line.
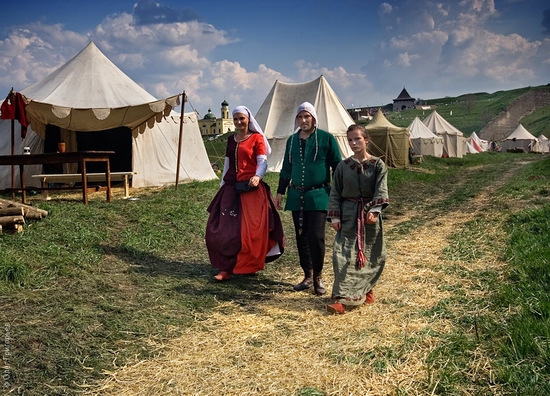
(243, 228)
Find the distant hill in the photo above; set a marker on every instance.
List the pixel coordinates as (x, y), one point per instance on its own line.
(472, 112)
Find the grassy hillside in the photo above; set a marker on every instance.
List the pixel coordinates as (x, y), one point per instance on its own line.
(539, 122)
(471, 112)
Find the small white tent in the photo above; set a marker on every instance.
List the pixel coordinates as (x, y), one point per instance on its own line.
(278, 111)
(424, 141)
(92, 105)
(453, 139)
(544, 144)
(477, 144)
(519, 139)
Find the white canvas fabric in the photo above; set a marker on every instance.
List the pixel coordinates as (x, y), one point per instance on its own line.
(519, 138)
(424, 141)
(453, 139)
(477, 144)
(544, 144)
(89, 93)
(388, 141)
(277, 114)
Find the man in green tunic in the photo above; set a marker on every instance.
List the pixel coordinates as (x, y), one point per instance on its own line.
(310, 155)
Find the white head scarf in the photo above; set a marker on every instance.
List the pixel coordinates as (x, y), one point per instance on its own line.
(310, 109)
(252, 124)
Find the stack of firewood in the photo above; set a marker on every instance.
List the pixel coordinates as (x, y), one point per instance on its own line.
(14, 215)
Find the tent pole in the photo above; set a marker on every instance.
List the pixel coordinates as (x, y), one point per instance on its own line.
(13, 153)
(183, 100)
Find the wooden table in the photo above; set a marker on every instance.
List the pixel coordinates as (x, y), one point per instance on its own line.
(81, 157)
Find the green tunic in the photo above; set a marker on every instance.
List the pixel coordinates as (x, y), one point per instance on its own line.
(310, 169)
(352, 181)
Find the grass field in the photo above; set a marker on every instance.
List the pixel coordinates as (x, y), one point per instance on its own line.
(471, 112)
(118, 298)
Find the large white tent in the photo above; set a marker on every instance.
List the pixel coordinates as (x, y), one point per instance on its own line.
(278, 111)
(90, 104)
(424, 141)
(520, 138)
(453, 139)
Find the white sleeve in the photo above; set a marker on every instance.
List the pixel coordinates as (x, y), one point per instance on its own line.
(376, 209)
(225, 168)
(261, 168)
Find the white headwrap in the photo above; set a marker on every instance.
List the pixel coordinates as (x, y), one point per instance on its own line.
(310, 109)
(252, 124)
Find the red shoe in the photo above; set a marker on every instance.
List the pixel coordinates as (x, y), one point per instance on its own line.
(336, 308)
(369, 298)
(222, 276)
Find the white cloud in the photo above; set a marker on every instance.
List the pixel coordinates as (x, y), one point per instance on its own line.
(31, 52)
(385, 8)
(447, 46)
(351, 87)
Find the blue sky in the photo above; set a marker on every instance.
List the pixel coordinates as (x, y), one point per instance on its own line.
(235, 51)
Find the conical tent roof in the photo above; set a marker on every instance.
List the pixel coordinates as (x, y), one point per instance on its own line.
(453, 139)
(476, 143)
(89, 93)
(419, 130)
(278, 111)
(520, 133)
(424, 141)
(520, 138)
(440, 125)
(387, 141)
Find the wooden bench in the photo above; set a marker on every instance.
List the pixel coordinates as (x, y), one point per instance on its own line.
(77, 177)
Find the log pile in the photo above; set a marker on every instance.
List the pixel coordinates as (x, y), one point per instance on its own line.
(13, 215)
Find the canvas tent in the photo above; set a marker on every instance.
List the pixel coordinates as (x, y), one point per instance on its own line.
(520, 138)
(544, 144)
(278, 111)
(476, 145)
(92, 105)
(387, 141)
(453, 139)
(424, 141)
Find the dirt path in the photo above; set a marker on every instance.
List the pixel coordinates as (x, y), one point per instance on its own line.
(289, 344)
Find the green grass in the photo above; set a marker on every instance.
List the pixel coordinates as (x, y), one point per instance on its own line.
(471, 112)
(518, 334)
(94, 284)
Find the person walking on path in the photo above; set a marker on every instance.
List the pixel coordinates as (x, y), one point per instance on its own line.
(359, 193)
(244, 229)
(310, 157)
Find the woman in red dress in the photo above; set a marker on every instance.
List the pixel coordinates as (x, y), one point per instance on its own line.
(244, 229)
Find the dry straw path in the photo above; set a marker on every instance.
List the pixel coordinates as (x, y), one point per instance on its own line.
(287, 344)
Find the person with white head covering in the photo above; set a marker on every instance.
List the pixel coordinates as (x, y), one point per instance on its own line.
(310, 155)
(244, 229)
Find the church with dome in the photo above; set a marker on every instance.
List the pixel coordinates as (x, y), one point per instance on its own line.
(212, 125)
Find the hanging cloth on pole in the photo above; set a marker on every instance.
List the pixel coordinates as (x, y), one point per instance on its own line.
(13, 108)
